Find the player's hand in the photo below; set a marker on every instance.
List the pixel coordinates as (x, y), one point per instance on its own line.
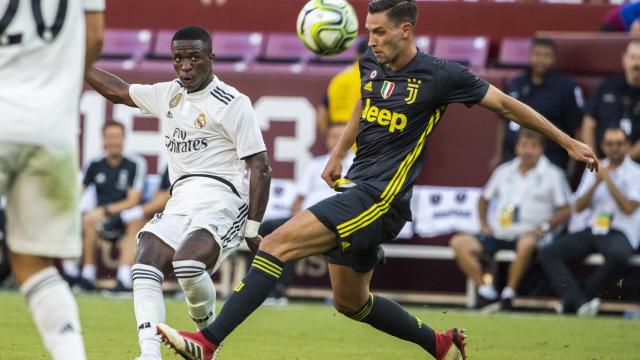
(583, 152)
(332, 172)
(603, 174)
(254, 243)
(486, 230)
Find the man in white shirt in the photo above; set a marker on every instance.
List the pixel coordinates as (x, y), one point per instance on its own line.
(45, 47)
(612, 196)
(532, 198)
(212, 137)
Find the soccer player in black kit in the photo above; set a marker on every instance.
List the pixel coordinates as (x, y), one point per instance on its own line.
(404, 96)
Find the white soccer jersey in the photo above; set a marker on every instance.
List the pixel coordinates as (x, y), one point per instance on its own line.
(42, 54)
(208, 132)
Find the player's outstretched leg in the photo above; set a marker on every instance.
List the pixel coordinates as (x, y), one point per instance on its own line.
(302, 236)
(153, 260)
(351, 291)
(52, 306)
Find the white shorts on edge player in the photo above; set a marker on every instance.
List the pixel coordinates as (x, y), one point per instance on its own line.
(201, 203)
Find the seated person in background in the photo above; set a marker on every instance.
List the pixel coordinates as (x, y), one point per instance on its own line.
(310, 189)
(616, 103)
(119, 182)
(532, 198)
(549, 92)
(612, 195)
(144, 212)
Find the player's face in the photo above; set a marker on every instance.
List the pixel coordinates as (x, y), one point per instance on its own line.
(529, 150)
(541, 59)
(615, 146)
(192, 62)
(631, 63)
(333, 135)
(385, 37)
(113, 141)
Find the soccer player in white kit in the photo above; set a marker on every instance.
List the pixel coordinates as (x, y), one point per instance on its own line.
(212, 137)
(44, 49)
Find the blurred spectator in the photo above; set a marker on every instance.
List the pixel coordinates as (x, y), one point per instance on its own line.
(311, 189)
(624, 18)
(616, 103)
(532, 198)
(342, 95)
(547, 91)
(612, 195)
(119, 181)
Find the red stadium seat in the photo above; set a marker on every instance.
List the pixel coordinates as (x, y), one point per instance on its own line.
(468, 50)
(514, 51)
(284, 48)
(126, 44)
(237, 46)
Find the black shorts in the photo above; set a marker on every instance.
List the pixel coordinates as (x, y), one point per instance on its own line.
(492, 245)
(361, 222)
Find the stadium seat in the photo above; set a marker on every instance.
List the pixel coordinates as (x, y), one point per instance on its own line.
(237, 46)
(471, 51)
(514, 51)
(126, 44)
(284, 48)
(423, 43)
(161, 48)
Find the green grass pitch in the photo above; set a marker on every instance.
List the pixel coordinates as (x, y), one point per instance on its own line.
(313, 331)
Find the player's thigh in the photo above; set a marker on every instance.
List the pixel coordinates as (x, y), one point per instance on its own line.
(350, 288)
(43, 217)
(153, 251)
(302, 236)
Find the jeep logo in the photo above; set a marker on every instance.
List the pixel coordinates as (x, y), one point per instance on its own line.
(384, 117)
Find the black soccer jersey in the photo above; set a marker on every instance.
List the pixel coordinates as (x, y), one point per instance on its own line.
(400, 110)
(112, 183)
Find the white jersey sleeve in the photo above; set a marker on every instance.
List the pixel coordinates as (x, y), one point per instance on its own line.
(94, 5)
(241, 125)
(152, 99)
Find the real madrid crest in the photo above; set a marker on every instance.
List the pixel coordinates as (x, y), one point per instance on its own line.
(200, 122)
(175, 101)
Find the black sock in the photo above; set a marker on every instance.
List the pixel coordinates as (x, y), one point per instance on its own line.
(247, 296)
(388, 316)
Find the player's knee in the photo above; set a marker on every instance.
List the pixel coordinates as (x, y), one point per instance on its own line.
(461, 243)
(346, 307)
(274, 244)
(526, 245)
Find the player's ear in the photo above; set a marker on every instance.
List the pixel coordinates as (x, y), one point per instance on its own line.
(212, 56)
(406, 29)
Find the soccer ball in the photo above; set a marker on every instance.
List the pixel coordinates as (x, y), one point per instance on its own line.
(327, 27)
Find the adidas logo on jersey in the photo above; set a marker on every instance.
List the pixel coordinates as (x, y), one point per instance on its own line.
(395, 121)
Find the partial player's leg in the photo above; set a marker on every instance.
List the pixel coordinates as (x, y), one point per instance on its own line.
(43, 223)
(198, 252)
(300, 237)
(153, 263)
(352, 298)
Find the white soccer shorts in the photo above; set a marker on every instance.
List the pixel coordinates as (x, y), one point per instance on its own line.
(214, 208)
(42, 190)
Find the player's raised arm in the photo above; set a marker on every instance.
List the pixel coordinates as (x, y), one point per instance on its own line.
(333, 170)
(524, 115)
(259, 183)
(109, 86)
(94, 24)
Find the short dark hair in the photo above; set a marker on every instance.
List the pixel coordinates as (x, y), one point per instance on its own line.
(545, 42)
(530, 134)
(193, 32)
(112, 123)
(399, 10)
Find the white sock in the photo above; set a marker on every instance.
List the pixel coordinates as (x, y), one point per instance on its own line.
(199, 292)
(55, 313)
(149, 307)
(89, 272)
(71, 268)
(507, 293)
(124, 275)
(488, 292)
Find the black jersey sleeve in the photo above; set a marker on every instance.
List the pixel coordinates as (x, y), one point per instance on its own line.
(459, 85)
(90, 174)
